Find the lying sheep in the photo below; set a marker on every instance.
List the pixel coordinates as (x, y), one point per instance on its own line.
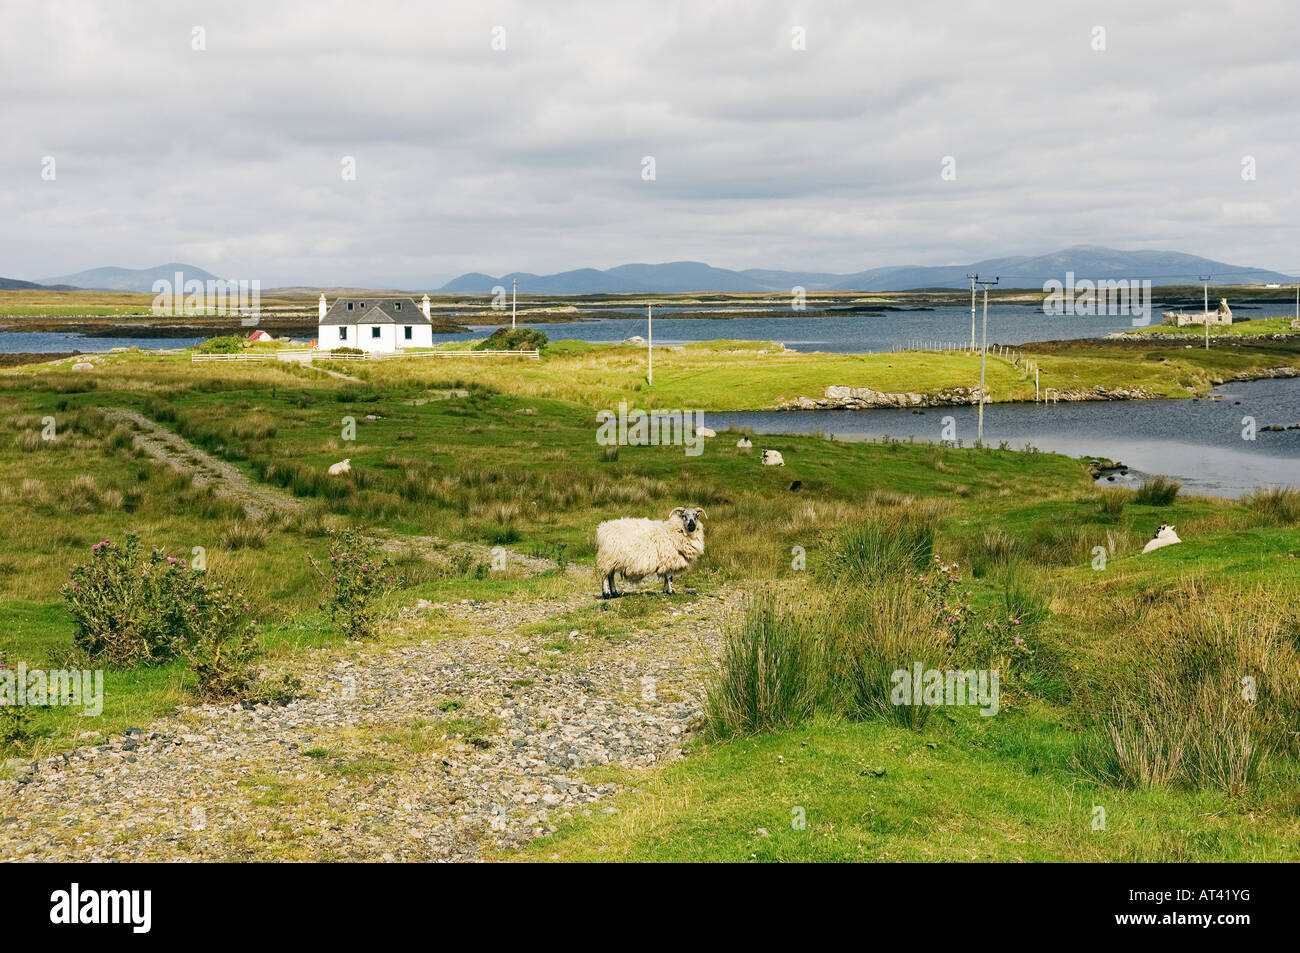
(636, 548)
(773, 458)
(340, 468)
(744, 443)
(705, 432)
(1165, 536)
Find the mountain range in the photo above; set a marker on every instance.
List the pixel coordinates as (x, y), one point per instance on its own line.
(1086, 261)
(127, 279)
(1093, 262)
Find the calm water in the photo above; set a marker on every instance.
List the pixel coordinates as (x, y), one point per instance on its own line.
(1198, 441)
(47, 342)
(849, 334)
(854, 334)
(846, 334)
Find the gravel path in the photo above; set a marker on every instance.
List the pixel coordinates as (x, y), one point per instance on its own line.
(475, 726)
(202, 468)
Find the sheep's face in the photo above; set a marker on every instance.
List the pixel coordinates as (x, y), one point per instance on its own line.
(691, 516)
(1164, 530)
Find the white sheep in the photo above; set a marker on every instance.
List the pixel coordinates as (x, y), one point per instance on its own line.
(1165, 536)
(705, 432)
(635, 548)
(339, 469)
(773, 458)
(744, 443)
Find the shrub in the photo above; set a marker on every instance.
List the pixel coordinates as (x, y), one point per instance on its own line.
(513, 339)
(769, 672)
(226, 344)
(222, 650)
(358, 576)
(1157, 491)
(135, 608)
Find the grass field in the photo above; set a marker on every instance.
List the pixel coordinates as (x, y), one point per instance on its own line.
(514, 462)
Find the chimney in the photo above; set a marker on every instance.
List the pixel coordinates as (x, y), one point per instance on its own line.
(323, 309)
(424, 306)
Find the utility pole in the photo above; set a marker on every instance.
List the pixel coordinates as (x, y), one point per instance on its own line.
(1206, 280)
(514, 295)
(650, 342)
(984, 353)
(972, 310)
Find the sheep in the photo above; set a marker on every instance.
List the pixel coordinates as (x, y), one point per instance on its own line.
(744, 443)
(635, 548)
(773, 458)
(1165, 536)
(705, 432)
(339, 469)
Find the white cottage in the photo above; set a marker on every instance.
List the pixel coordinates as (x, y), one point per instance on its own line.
(375, 325)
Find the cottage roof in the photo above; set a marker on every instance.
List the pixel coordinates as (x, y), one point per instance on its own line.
(374, 311)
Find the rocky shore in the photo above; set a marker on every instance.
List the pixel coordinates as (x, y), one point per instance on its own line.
(864, 398)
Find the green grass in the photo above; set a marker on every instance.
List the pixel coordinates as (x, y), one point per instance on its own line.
(1236, 329)
(1024, 527)
(968, 789)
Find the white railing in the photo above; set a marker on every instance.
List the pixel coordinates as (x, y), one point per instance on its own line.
(535, 355)
(232, 357)
(290, 354)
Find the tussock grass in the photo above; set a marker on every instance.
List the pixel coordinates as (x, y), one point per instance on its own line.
(770, 666)
(1111, 503)
(884, 544)
(1210, 692)
(1157, 491)
(1280, 505)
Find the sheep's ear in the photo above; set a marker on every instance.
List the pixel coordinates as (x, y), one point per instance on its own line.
(701, 514)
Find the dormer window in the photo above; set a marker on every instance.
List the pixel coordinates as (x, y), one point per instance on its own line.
(397, 305)
(349, 305)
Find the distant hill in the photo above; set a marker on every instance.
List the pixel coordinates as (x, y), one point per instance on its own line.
(129, 279)
(13, 284)
(1086, 261)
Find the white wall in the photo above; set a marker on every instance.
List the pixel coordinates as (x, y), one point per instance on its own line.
(327, 337)
(421, 335)
(391, 337)
(385, 343)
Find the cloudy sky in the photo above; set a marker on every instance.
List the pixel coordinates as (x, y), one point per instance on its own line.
(531, 157)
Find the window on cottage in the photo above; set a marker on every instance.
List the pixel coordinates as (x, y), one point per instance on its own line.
(397, 305)
(343, 334)
(374, 332)
(349, 305)
(406, 332)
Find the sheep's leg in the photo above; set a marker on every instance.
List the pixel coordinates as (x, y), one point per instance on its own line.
(668, 584)
(607, 589)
